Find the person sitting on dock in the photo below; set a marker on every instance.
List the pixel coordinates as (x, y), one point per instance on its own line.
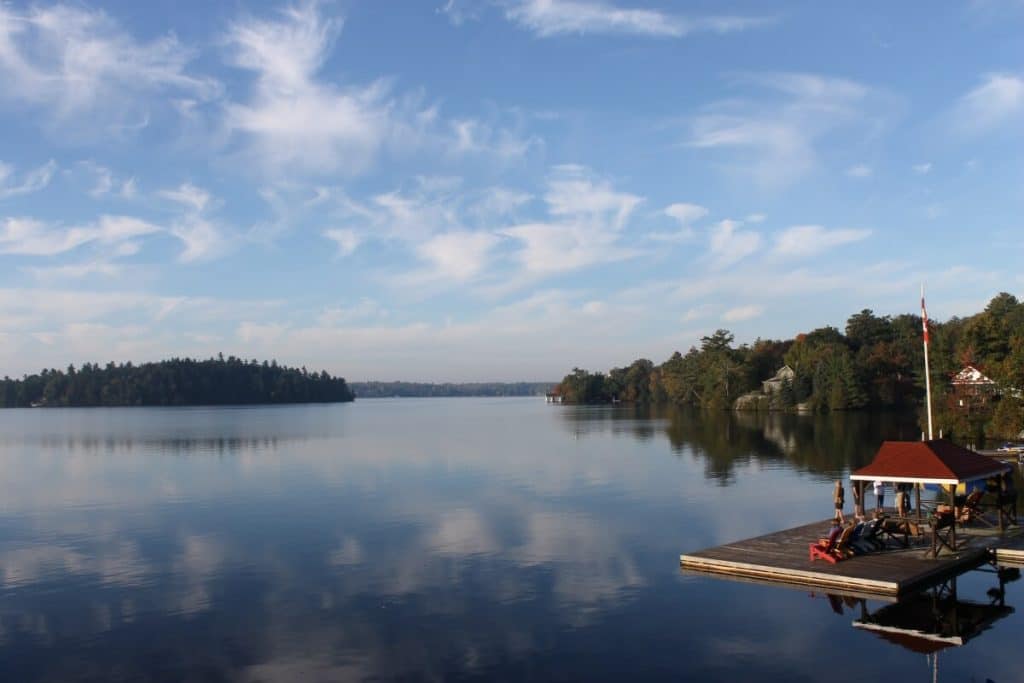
(829, 541)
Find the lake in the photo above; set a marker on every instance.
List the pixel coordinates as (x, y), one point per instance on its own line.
(497, 539)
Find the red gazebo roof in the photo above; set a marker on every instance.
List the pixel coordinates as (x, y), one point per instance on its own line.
(930, 462)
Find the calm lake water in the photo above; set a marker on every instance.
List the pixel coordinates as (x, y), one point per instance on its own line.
(431, 539)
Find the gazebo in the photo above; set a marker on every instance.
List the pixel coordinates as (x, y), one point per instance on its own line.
(938, 462)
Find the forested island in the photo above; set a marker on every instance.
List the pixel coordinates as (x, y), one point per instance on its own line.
(876, 362)
(174, 382)
(448, 389)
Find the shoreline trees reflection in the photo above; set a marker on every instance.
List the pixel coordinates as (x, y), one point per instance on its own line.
(820, 444)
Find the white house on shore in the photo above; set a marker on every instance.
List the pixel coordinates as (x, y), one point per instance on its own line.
(774, 384)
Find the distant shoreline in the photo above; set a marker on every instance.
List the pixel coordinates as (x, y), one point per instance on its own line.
(400, 389)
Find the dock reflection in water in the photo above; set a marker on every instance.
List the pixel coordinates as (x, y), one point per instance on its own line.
(934, 619)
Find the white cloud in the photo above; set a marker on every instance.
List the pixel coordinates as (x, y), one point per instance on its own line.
(807, 240)
(859, 171)
(573, 195)
(997, 101)
(773, 140)
(364, 309)
(347, 240)
(459, 256)
(105, 183)
(741, 313)
(293, 119)
(680, 236)
(685, 214)
(498, 203)
(76, 271)
(547, 18)
(587, 218)
(260, 333)
(922, 169)
(128, 189)
(30, 237)
(188, 195)
(459, 12)
(695, 313)
(201, 237)
(472, 136)
(76, 61)
(729, 244)
(35, 180)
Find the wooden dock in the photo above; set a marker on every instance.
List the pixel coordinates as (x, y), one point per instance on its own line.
(782, 557)
(1011, 551)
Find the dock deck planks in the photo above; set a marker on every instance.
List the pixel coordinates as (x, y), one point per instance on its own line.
(782, 557)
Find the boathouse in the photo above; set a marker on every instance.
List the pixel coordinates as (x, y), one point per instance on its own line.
(781, 556)
(936, 463)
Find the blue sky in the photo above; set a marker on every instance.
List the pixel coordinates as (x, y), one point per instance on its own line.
(495, 190)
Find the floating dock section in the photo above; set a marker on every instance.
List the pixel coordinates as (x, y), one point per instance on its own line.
(782, 557)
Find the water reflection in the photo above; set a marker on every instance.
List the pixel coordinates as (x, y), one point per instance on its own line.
(934, 619)
(402, 539)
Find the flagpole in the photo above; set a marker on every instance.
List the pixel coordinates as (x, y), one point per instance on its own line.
(927, 374)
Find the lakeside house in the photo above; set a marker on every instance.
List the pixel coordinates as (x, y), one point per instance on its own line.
(774, 384)
(972, 388)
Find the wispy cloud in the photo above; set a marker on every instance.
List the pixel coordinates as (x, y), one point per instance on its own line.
(459, 11)
(458, 256)
(729, 244)
(188, 195)
(76, 61)
(347, 240)
(473, 136)
(33, 181)
(587, 216)
(808, 240)
(105, 183)
(922, 169)
(997, 101)
(291, 117)
(547, 18)
(201, 236)
(685, 214)
(741, 313)
(859, 171)
(773, 140)
(30, 237)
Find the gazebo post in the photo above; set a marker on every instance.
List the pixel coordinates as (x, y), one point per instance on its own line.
(952, 503)
(918, 487)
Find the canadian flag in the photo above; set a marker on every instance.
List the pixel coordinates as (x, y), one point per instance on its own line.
(924, 317)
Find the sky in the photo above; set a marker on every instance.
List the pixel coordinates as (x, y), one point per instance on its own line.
(446, 190)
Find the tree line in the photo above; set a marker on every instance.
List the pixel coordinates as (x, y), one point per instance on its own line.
(426, 389)
(174, 382)
(876, 362)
